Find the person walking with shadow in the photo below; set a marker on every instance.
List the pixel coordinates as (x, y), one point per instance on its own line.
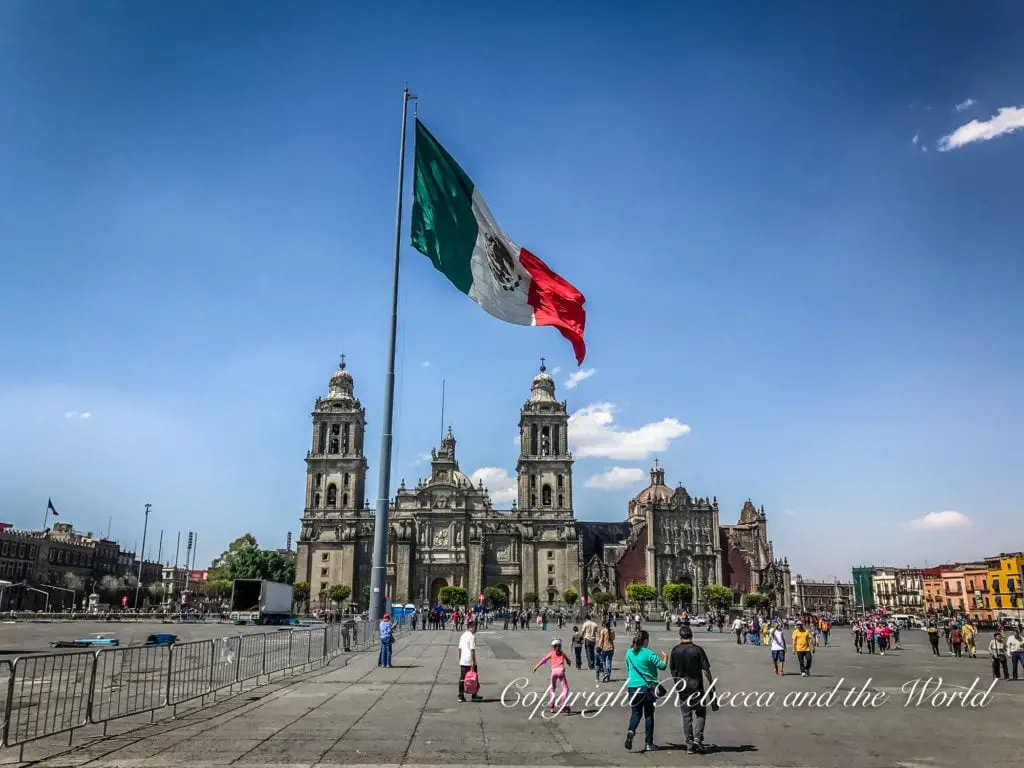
(689, 666)
(643, 665)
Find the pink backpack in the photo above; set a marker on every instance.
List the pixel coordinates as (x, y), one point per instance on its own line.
(471, 683)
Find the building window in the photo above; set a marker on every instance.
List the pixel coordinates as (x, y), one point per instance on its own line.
(559, 501)
(316, 501)
(323, 572)
(335, 431)
(322, 441)
(533, 439)
(551, 583)
(551, 569)
(560, 482)
(325, 557)
(332, 495)
(545, 441)
(345, 482)
(533, 499)
(551, 555)
(323, 586)
(344, 499)
(319, 480)
(546, 495)
(556, 447)
(533, 482)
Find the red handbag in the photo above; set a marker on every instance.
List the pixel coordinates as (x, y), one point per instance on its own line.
(471, 683)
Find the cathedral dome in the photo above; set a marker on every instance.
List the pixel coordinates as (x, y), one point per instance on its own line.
(657, 491)
(543, 387)
(341, 382)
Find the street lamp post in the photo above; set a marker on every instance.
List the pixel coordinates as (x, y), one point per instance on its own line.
(142, 558)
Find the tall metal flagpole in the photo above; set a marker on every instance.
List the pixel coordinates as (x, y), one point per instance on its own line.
(378, 576)
(142, 557)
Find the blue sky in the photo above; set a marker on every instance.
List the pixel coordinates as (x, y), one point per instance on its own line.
(196, 218)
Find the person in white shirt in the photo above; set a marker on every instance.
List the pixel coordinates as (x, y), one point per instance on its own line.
(467, 659)
(778, 643)
(1015, 648)
(737, 627)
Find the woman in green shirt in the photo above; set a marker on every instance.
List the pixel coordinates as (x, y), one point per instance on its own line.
(643, 666)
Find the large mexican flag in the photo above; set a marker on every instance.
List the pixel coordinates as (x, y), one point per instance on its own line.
(454, 228)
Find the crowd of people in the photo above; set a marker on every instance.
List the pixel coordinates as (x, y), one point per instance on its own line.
(593, 645)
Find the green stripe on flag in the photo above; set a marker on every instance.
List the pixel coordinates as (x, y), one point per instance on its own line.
(444, 228)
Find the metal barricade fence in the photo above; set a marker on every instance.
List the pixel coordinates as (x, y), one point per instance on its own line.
(50, 694)
(130, 681)
(191, 673)
(47, 695)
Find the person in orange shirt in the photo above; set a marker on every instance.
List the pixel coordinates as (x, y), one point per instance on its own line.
(824, 631)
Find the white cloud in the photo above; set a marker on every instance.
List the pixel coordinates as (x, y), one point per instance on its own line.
(965, 105)
(85, 415)
(500, 485)
(940, 521)
(427, 364)
(615, 478)
(916, 138)
(789, 512)
(76, 415)
(517, 440)
(592, 432)
(1007, 120)
(577, 376)
(556, 370)
(423, 458)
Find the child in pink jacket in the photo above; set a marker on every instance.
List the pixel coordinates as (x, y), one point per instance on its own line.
(559, 661)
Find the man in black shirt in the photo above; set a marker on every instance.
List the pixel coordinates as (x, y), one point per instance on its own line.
(689, 665)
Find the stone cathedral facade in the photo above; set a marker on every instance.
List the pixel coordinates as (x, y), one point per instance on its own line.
(445, 531)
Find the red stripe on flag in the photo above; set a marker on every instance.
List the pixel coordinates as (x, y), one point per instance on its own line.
(556, 302)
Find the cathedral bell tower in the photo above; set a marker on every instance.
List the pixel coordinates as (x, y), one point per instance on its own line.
(335, 488)
(335, 465)
(545, 464)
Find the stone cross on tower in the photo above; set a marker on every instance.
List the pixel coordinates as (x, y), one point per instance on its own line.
(542, 368)
(341, 365)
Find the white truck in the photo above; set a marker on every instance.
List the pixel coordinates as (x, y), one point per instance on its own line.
(261, 602)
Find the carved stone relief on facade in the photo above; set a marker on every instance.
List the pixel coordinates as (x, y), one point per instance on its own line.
(441, 538)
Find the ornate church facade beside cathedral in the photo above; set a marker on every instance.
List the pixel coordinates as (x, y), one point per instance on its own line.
(445, 531)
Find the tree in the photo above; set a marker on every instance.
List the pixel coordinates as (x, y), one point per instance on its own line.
(496, 597)
(73, 582)
(718, 597)
(300, 594)
(452, 596)
(602, 598)
(338, 593)
(641, 594)
(243, 559)
(366, 595)
(109, 586)
(677, 594)
(218, 589)
(757, 601)
(571, 596)
(530, 600)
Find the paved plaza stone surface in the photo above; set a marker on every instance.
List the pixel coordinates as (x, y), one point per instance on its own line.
(354, 713)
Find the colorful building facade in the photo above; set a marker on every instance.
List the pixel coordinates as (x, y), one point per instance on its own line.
(1005, 576)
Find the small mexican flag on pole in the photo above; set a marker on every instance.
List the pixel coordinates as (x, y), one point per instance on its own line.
(453, 227)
